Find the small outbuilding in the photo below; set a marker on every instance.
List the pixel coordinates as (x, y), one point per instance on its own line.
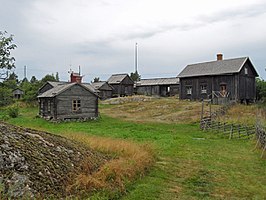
(232, 79)
(17, 93)
(105, 90)
(122, 85)
(68, 101)
(158, 86)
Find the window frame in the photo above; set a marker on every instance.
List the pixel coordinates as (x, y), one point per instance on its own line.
(76, 105)
(188, 89)
(246, 70)
(203, 88)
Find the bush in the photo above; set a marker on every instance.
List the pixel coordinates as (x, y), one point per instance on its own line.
(13, 111)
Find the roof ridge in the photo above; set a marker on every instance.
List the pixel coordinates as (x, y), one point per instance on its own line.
(228, 59)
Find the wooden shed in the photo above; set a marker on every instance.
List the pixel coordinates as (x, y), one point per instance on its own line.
(68, 101)
(122, 85)
(17, 93)
(158, 86)
(233, 79)
(105, 90)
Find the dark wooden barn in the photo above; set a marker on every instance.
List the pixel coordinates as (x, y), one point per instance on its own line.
(105, 90)
(68, 101)
(17, 93)
(122, 85)
(231, 79)
(158, 87)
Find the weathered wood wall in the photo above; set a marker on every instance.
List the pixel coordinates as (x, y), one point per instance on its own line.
(61, 105)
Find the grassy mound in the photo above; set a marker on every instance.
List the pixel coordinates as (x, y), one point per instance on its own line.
(38, 164)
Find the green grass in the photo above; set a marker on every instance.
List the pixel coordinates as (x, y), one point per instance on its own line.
(191, 164)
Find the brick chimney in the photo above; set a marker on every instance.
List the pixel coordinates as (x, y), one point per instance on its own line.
(219, 56)
(75, 77)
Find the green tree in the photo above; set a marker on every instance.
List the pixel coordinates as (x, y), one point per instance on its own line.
(57, 76)
(260, 89)
(96, 79)
(33, 79)
(135, 76)
(7, 62)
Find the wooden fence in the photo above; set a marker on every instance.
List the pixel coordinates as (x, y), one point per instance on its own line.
(261, 137)
(233, 130)
(230, 130)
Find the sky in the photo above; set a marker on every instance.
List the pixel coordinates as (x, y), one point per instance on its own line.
(100, 35)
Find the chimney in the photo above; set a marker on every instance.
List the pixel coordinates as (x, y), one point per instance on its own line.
(219, 56)
(75, 77)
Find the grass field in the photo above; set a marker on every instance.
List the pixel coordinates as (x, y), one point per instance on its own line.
(190, 164)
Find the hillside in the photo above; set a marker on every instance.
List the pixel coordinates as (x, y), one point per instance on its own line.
(150, 109)
(38, 164)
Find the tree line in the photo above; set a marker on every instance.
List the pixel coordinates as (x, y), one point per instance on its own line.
(9, 80)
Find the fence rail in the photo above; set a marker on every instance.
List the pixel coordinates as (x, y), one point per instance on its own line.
(230, 130)
(261, 138)
(233, 130)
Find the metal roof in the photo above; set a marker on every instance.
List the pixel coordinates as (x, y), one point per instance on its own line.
(227, 66)
(158, 81)
(116, 78)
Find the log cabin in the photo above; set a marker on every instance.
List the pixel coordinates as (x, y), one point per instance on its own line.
(220, 80)
(105, 90)
(122, 85)
(68, 100)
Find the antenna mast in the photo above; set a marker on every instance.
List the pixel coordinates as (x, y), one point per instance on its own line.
(136, 57)
(25, 72)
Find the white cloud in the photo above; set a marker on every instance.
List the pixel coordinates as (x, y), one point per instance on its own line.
(100, 35)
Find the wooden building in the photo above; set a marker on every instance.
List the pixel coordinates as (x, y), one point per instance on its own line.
(17, 93)
(49, 85)
(122, 85)
(105, 90)
(68, 101)
(158, 87)
(233, 79)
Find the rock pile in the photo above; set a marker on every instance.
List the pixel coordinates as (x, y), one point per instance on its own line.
(36, 164)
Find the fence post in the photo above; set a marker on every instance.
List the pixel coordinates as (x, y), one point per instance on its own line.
(238, 130)
(262, 153)
(231, 132)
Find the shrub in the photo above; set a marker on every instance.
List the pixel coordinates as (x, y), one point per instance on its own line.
(13, 111)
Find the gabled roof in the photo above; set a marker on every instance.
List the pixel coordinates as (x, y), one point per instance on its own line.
(117, 78)
(227, 66)
(54, 84)
(90, 87)
(99, 84)
(158, 81)
(61, 88)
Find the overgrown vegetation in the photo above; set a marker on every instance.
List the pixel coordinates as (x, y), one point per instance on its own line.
(131, 161)
(190, 164)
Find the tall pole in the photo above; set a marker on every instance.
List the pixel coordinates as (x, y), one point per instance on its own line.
(136, 57)
(25, 71)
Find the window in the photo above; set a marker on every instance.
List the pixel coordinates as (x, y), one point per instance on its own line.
(246, 70)
(76, 105)
(189, 90)
(203, 89)
(223, 90)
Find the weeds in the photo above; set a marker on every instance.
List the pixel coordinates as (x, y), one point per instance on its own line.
(130, 162)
